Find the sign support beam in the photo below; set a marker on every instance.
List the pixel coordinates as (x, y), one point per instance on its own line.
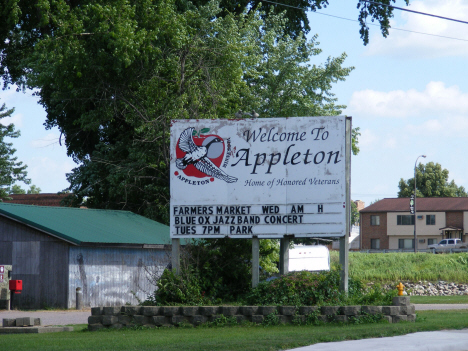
(284, 256)
(255, 261)
(344, 241)
(175, 257)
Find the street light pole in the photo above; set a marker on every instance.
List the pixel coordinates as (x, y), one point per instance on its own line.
(415, 218)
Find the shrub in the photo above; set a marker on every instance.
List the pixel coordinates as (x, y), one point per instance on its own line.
(176, 289)
(375, 295)
(222, 266)
(298, 288)
(308, 289)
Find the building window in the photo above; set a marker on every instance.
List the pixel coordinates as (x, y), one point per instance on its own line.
(431, 241)
(406, 243)
(374, 220)
(375, 244)
(405, 219)
(430, 219)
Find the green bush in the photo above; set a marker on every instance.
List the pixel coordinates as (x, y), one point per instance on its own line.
(222, 266)
(309, 289)
(298, 288)
(176, 289)
(376, 295)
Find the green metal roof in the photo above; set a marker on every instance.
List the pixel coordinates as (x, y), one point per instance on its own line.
(80, 226)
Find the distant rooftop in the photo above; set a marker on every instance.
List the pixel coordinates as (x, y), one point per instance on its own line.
(36, 199)
(423, 204)
(89, 227)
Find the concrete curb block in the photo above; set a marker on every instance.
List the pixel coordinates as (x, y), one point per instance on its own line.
(159, 316)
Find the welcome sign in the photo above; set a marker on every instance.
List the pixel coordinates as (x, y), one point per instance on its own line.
(261, 178)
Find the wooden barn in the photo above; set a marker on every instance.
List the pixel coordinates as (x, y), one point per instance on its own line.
(111, 255)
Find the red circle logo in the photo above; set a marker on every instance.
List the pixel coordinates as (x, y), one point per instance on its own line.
(215, 154)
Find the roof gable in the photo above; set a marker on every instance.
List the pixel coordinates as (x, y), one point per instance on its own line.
(423, 204)
(81, 226)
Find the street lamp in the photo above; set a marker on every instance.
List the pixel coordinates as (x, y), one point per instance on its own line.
(415, 218)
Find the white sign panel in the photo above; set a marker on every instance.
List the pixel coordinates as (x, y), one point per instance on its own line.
(258, 177)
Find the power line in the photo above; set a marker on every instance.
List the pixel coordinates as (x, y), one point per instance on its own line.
(371, 24)
(412, 11)
(294, 7)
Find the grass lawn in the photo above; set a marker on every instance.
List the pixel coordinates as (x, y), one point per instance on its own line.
(245, 338)
(395, 267)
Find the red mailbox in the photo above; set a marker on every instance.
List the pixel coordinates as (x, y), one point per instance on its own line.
(16, 286)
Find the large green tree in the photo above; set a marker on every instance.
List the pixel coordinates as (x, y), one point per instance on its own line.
(431, 181)
(24, 23)
(111, 75)
(18, 190)
(11, 170)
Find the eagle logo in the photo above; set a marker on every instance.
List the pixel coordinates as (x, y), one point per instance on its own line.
(201, 156)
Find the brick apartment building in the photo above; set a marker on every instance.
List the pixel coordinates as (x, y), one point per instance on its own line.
(388, 223)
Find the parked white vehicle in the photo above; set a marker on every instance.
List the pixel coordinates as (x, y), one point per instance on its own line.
(447, 244)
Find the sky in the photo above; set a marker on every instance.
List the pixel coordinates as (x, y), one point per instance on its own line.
(408, 94)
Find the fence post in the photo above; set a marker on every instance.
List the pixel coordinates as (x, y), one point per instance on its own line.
(79, 299)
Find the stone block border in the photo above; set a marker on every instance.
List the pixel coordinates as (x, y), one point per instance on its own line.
(21, 322)
(28, 325)
(167, 316)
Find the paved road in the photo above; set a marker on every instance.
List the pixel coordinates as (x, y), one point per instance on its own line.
(426, 307)
(51, 317)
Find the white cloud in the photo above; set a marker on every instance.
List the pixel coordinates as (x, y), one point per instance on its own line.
(417, 45)
(16, 119)
(435, 100)
(6, 95)
(367, 139)
(50, 139)
(391, 143)
(49, 174)
(444, 127)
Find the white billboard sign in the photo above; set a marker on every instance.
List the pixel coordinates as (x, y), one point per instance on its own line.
(262, 178)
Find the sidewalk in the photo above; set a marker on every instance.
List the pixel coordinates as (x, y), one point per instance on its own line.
(447, 340)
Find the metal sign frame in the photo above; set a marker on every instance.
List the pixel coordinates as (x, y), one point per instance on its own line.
(263, 178)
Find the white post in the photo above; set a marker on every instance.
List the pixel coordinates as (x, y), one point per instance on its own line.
(344, 241)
